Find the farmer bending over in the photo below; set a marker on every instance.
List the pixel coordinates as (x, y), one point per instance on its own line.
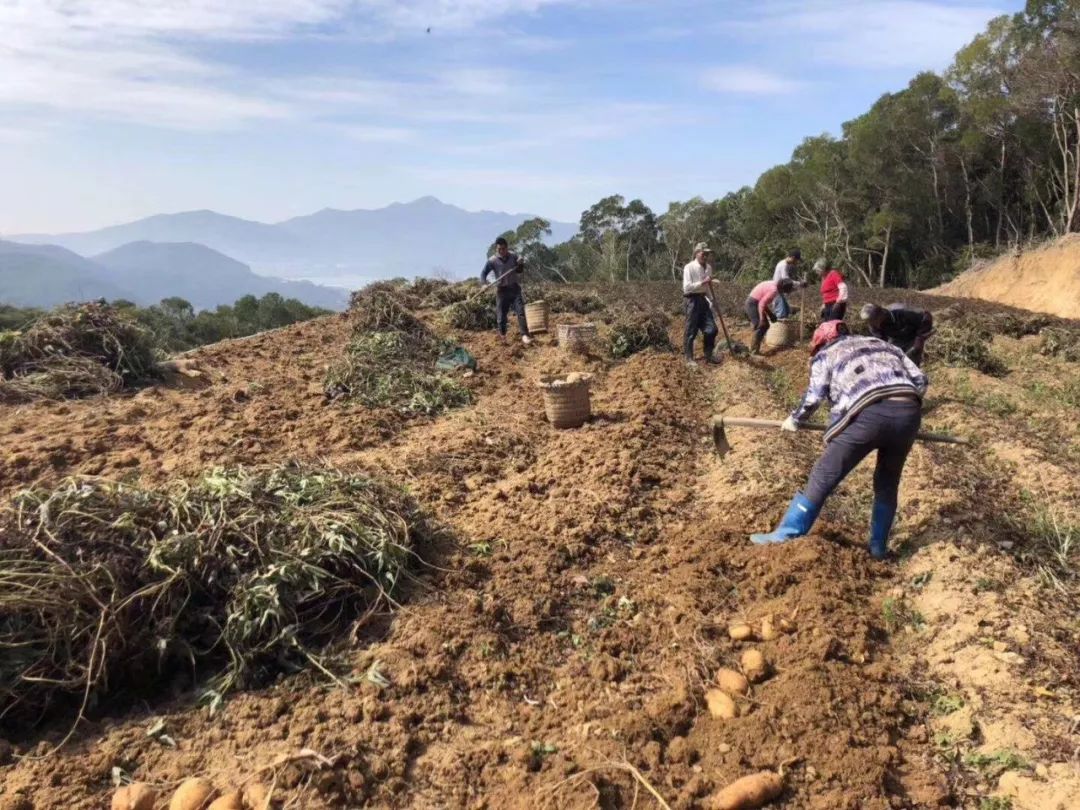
(696, 281)
(905, 328)
(758, 307)
(507, 268)
(876, 395)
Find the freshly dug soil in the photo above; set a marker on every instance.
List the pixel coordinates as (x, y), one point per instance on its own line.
(556, 652)
(1046, 279)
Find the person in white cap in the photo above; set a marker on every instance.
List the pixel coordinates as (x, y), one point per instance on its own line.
(697, 276)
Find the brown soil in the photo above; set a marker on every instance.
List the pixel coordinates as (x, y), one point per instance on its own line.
(556, 653)
(1046, 279)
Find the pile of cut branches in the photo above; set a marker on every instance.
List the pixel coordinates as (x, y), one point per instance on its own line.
(107, 587)
(76, 350)
(632, 332)
(476, 314)
(963, 344)
(390, 359)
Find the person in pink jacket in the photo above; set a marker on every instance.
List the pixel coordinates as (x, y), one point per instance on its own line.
(759, 307)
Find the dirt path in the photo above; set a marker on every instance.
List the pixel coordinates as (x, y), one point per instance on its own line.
(568, 630)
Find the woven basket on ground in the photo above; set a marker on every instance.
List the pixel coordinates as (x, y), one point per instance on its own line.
(566, 399)
(536, 316)
(576, 337)
(782, 333)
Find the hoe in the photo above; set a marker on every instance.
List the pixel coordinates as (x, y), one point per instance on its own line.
(723, 446)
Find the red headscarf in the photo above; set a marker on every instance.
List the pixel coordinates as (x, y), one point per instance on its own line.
(825, 334)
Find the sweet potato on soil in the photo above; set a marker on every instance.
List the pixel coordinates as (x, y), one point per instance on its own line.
(193, 794)
(229, 801)
(754, 665)
(136, 796)
(768, 629)
(740, 631)
(732, 682)
(721, 705)
(749, 792)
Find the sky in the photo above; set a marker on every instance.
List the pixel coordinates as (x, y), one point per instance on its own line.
(111, 110)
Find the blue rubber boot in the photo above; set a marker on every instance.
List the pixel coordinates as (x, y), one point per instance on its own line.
(881, 521)
(798, 521)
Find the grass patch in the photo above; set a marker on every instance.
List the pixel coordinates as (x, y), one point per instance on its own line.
(108, 589)
(963, 345)
(996, 803)
(1051, 542)
(946, 704)
(897, 613)
(995, 764)
(1061, 342)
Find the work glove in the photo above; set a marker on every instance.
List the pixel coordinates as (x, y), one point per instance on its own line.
(790, 425)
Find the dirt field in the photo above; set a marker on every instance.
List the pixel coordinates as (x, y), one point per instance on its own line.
(554, 652)
(1046, 279)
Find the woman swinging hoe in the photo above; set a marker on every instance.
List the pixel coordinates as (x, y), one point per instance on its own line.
(876, 394)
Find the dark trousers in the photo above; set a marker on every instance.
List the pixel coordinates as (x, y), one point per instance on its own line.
(507, 298)
(699, 318)
(834, 311)
(888, 426)
(758, 324)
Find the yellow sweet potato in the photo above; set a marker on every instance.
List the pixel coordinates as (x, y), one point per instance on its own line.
(136, 796)
(228, 801)
(721, 705)
(768, 629)
(749, 792)
(732, 682)
(754, 665)
(740, 631)
(193, 794)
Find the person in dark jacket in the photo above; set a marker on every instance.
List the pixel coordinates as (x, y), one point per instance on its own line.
(507, 268)
(876, 393)
(908, 329)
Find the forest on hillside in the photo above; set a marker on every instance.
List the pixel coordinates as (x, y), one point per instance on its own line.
(980, 159)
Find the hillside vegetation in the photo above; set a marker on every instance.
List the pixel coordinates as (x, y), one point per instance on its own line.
(955, 167)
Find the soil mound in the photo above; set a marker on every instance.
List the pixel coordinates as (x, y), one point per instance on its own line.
(1044, 280)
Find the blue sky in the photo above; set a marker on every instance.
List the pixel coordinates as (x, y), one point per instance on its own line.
(115, 109)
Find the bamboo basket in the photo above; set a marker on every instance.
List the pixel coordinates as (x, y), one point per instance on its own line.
(536, 316)
(566, 399)
(782, 333)
(576, 337)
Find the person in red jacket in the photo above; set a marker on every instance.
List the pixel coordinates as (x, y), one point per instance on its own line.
(834, 296)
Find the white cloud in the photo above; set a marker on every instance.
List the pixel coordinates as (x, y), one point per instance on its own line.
(135, 60)
(378, 134)
(748, 80)
(903, 34)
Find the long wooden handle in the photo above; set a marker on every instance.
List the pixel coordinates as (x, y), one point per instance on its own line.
(739, 421)
(490, 284)
(716, 309)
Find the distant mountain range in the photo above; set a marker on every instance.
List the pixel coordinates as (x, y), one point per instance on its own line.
(143, 272)
(342, 248)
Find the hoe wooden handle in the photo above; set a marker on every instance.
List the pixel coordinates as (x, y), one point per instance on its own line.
(740, 421)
